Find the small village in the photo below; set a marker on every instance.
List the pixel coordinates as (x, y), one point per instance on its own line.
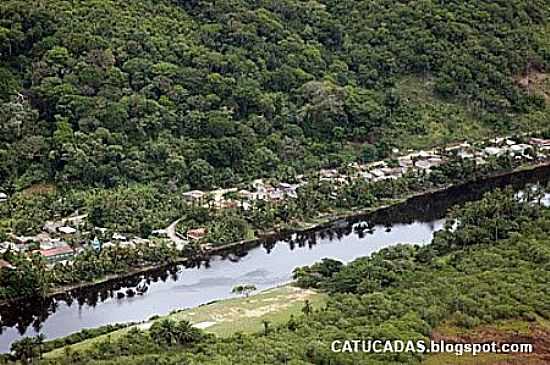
(61, 240)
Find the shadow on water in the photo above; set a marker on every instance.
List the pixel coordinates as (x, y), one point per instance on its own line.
(27, 317)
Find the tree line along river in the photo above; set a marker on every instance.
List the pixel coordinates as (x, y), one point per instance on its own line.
(266, 264)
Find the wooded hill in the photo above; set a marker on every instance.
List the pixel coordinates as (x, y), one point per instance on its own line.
(202, 93)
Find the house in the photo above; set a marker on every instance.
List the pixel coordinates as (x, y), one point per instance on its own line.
(194, 195)
(376, 164)
(497, 140)
(219, 195)
(196, 234)
(520, 148)
(285, 186)
(425, 154)
(289, 189)
(465, 155)
(4, 265)
(424, 165)
(57, 254)
(245, 205)
(246, 195)
(435, 161)
(51, 227)
(328, 174)
(52, 243)
(160, 233)
(386, 170)
(493, 151)
(8, 246)
(259, 185)
(377, 173)
(224, 204)
(118, 237)
(540, 142)
(405, 161)
(67, 230)
(368, 176)
(480, 161)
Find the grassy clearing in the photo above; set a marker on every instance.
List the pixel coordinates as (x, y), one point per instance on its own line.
(226, 317)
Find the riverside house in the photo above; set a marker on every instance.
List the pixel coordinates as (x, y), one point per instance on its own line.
(4, 265)
(194, 195)
(196, 234)
(57, 254)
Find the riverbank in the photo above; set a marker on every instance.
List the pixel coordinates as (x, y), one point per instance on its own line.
(329, 220)
(301, 228)
(226, 317)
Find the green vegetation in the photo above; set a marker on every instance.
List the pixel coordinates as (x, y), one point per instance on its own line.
(114, 108)
(106, 93)
(140, 209)
(474, 273)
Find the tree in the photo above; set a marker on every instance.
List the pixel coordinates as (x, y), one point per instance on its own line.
(244, 289)
(266, 324)
(306, 309)
(24, 349)
(200, 174)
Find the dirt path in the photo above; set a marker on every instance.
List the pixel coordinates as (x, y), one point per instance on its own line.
(174, 236)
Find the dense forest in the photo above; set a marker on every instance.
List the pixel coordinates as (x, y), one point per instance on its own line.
(489, 264)
(105, 93)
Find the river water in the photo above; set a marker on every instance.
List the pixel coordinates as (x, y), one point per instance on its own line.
(266, 264)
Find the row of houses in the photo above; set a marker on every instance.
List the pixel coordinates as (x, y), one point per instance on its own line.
(226, 198)
(376, 171)
(52, 241)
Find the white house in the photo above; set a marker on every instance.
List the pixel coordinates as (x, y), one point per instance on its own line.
(520, 148)
(67, 230)
(494, 151)
(194, 195)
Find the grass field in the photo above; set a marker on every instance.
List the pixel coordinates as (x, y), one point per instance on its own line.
(227, 317)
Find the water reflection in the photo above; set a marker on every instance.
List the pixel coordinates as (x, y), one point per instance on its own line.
(265, 264)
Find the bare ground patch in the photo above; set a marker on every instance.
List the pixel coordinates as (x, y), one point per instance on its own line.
(534, 333)
(535, 82)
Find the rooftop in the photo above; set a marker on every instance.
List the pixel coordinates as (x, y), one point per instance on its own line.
(194, 194)
(196, 233)
(63, 250)
(67, 230)
(6, 265)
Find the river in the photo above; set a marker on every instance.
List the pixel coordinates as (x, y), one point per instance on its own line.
(266, 264)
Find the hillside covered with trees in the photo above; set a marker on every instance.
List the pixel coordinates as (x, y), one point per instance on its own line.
(105, 93)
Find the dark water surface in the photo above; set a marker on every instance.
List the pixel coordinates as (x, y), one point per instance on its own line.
(266, 264)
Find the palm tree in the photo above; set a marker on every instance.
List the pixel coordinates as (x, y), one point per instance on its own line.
(266, 326)
(164, 332)
(307, 307)
(186, 333)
